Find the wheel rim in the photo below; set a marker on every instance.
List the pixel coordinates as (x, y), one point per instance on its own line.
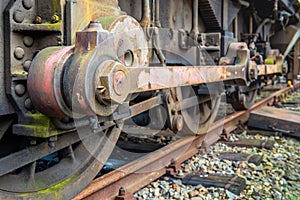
(243, 101)
(66, 178)
(197, 119)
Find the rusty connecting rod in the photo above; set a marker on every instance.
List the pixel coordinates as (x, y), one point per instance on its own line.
(195, 29)
(157, 7)
(146, 15)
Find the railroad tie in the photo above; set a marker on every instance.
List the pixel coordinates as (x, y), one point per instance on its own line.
(234, 184)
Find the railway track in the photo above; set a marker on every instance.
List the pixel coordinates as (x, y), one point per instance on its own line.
(127, 179)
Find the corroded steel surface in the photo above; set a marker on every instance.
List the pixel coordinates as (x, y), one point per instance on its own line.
(135, 175)
(270, 118)
(152, 78)
(44, 82)
(269, 69)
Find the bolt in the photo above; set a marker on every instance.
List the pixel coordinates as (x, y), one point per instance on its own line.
(27, 4)
(51, 144)
(183, 44)
(33, 142)
(94, 22)
(173, 161)
(178, 123)
(37, 20)
(174, 18)
(253, 73)
(101, 89)
(180, 173)
(26, 65)
(119, 83)
(18, 16)
(28, 104)
(28, 41)
(122, 191)
(59, 40)
(95, 25)
(20, 89)
(53, 139)
(55, 19)
(19, 53)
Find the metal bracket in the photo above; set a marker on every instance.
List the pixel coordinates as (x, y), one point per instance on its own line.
(124, 195)
(274, 128)
(173, 168)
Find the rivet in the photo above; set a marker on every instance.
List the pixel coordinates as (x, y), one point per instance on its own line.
(26, 65)
(28, 104)
(55, 19)
(174, 18)
(20, 90)
(28, 41)
(37, 20)
(27, 4)
(18, 16)
(19, 53)
(178, 123)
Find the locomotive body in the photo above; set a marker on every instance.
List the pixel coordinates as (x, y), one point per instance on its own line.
(73, 72)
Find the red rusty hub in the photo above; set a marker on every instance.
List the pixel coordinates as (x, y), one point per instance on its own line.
(44, 81)
(88, 79)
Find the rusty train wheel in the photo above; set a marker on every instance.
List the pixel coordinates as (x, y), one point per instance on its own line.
(74, 170)
(197, 119)
(243, 101)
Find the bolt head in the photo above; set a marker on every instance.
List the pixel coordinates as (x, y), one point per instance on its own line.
(178, 123)
(28, 41)
(26, 65)
(55, 19)
(115, 81)
(19, 16)
(19, 53)
(120, 82)
(20, 89)
(28, 104)
(37, 20)
(27, 4)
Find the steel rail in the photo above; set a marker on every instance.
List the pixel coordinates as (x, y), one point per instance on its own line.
(141, 172)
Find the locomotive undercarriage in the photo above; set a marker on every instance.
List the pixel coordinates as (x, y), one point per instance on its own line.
(74, 93)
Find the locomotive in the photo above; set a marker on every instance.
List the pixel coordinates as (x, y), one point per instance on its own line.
(73, 73)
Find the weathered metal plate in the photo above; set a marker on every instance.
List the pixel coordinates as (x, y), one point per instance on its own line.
(250, 158)
(275, 119)
(235, 184)
(267, 144)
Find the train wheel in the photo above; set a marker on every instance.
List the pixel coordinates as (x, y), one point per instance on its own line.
(69, 171)
(243, 101)
(197, 119)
